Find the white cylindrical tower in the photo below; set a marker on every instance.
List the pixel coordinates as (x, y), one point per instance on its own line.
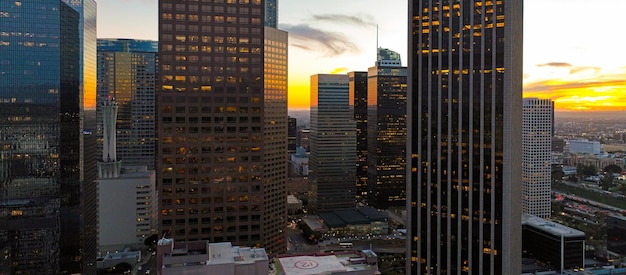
(109, 118)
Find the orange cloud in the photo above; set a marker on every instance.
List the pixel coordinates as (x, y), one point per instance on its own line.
(596, 91)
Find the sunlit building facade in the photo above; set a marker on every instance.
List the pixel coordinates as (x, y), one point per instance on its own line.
(332, 160)
(386, 133)
(464, 137)
(47, 77)
(127, 73)
(222, 124)
(537, 126)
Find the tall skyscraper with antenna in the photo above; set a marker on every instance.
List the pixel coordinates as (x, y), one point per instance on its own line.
(386, 131)
(464, 133)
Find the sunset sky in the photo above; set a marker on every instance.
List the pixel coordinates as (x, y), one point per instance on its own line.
(574, 50)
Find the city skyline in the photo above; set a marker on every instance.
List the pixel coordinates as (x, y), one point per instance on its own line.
(558, 63)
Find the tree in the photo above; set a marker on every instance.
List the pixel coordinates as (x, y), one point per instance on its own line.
(612, 168)
(557, 175)
(152, 240)
(622, 188)
(607, 181)
(586, 170)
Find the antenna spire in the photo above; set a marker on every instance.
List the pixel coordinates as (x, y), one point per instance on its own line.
(377, 52)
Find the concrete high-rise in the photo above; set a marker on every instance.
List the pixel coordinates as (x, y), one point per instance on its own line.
(464, 137)
(47, 64)
(358, 106)
(537, 156)
(386, 133)
(127, 73)
(222, 124)
(332, 172)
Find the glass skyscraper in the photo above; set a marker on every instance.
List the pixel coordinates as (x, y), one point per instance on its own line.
(464, 137)
(386, 133)
(358, 107)
(222, 124)
(127, 73)
(271, 13)
(47, 78)
(332, 171)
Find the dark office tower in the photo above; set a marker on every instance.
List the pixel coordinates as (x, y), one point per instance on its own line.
(292, 132)
(76, 248)
(358, 105)
(127, 73)
(464, 137)
(89, 209)
(332, 172)
(271, 13)
(386, 133)
(47, 73)
(222, 124)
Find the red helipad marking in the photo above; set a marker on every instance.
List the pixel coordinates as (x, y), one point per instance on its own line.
(306, 264)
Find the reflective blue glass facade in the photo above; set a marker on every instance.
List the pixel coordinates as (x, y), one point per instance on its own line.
(271, 13)
(42, 83)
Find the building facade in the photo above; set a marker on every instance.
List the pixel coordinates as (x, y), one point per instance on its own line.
(358, 106)
(127, 210)
(386, 133)
(332, 143)
(222, 124)
(616, 234)
(47, 63)
(127, 73)
(292, 133)
(537, 127)
(559, 246)
(584, 146)
(464, 137)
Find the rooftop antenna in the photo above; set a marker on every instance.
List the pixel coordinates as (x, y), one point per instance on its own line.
(377, 51)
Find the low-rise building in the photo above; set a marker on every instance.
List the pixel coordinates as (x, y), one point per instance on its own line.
(127, 211)
(202, 257)
(343, 262)
(616, 234)
(357, 221)
(585, 146)
(294, 205)
(299, 162)
(553, 244)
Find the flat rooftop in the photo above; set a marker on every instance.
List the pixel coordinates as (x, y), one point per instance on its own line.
(550, 226)
(340, 262)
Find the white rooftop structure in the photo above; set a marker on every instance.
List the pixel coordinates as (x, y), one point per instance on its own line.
(347, 262)
(550, 227)
(202, 257)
